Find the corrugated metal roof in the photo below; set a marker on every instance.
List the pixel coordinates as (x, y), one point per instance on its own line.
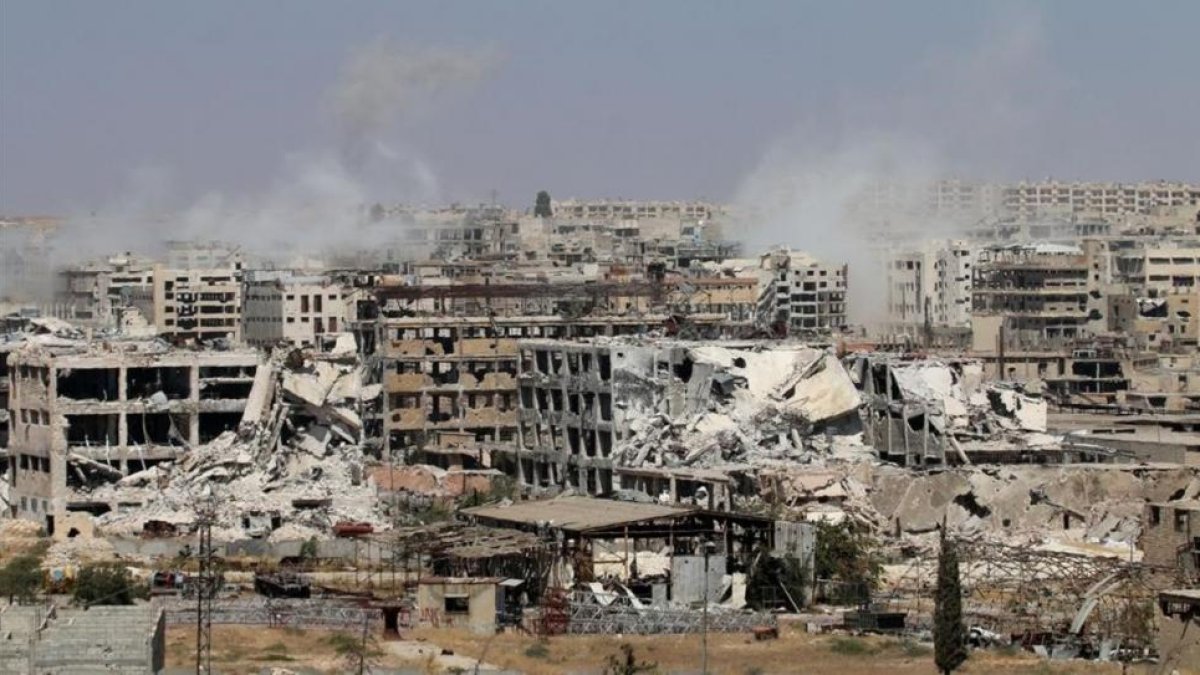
(578, 513)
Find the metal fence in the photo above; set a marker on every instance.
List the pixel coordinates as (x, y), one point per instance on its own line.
(591, 619)
(275, 613)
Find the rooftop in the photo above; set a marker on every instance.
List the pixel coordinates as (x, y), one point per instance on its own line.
(577, 514)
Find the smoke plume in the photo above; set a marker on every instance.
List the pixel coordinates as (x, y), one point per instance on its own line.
(382, 83)
(320, 201)
(972, 115)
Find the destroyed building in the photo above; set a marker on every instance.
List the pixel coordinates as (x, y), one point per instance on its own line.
(105, 410)
(661, 416)
(1037, 297)
(1171, 536)
(803, 296)
(193, 303)
(921, 412)
(447, 353)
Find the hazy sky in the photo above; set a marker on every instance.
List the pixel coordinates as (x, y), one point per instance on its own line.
(634, 99)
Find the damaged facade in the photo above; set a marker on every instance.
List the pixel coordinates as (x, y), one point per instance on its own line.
(84, 414)
(651, 416)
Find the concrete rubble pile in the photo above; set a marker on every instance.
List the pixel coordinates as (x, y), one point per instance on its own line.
(294, 468)
(929, 411)
(744, 407)
(1061, 505)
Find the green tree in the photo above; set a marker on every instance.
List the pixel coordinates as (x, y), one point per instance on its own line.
(541, 207)
(106, 584)
(949, 636)
(21, 578)
(308, 550)
(846, 554)
(775, 581)
(626, 663)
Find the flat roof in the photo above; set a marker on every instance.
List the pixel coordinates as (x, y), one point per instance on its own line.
(1181, 504)
(578, 513)
(1181, 595)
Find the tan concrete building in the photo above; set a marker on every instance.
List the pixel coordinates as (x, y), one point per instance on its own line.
(1160, 270)
(297, 310)
(459, 373)
(932, 284)
(199, 304)
(94, 293)
(474, 603)
(803, 294)
(82, 412)
(1044, 295)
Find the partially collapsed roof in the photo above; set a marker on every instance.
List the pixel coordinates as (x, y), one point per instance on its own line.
(576, 514)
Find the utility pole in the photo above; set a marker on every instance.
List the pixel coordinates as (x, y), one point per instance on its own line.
(708, 549)
(206, 586)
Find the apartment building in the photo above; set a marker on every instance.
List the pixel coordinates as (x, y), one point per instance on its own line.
(930, 285)
(1029, 199)
(193, 304)
(1043, 296)
(577, 403)
(803, 295)
(1157, 270)
(459, 374)
(605, 209)
(303, 311)
(969, 200)
(112, 410)
(94, 293)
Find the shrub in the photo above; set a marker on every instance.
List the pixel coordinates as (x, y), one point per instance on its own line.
(107, 584)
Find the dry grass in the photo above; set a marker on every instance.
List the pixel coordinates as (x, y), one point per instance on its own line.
(736, 654)
(240, 649)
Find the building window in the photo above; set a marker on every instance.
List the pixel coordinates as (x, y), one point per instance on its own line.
(1155, 515)
(1181, 520)
(457, 604)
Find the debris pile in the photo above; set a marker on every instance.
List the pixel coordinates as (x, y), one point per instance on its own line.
(297, 460)
(748, 407)
(930, 411)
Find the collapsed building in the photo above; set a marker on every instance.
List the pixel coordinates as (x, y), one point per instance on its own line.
(139, 435)
(663, 416)
(447, 355)
(110, 409)
(922, 412)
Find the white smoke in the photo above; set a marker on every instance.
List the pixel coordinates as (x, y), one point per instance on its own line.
(382, 83)
(972, 116)
(320, 201)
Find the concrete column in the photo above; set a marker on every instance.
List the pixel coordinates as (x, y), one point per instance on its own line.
(194, 384)
(193, 429)
(123, 396)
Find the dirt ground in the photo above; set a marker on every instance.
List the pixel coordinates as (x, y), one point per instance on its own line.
(251, 650)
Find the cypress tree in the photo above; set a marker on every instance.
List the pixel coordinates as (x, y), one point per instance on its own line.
(949, 636)
(541, 206)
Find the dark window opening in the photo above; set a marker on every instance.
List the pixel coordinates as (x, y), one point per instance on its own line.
(154, 429)
(88, 384)
(145, 382)
(92, 430)
(457, 604)
(213, 425)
